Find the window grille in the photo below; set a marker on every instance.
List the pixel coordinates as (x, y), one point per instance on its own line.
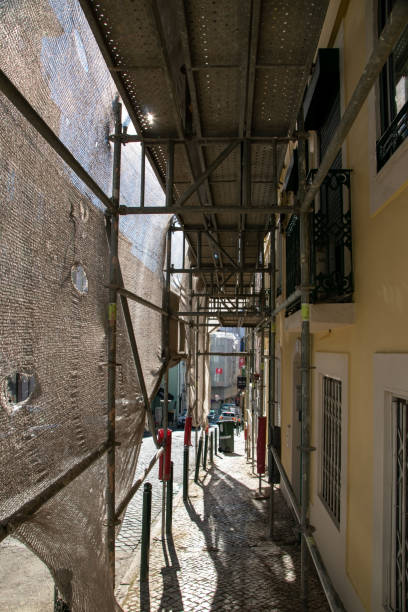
(330, 485)
(399, 543)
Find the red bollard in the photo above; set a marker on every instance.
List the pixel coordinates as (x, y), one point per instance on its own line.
(261, 446)
(165, 459)
(187, 431)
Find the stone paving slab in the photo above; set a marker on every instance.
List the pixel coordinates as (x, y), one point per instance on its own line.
(219, 557)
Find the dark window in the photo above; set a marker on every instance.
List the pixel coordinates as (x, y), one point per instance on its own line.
(330, 468)
(393, 92)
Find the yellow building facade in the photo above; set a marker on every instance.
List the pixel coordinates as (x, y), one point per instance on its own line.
(359, 349)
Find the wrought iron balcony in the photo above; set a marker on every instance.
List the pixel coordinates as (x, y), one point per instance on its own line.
(394, 135)
(331, 248)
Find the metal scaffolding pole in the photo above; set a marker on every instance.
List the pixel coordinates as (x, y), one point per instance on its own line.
(271, 350)
(271, 382)
(247, 392)
(305, 447)
(112, 330)
(253, 400)
(166, 355)
(262, 348)
(197, 338)
(382, 49)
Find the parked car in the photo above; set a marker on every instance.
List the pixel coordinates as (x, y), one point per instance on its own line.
(227, 416)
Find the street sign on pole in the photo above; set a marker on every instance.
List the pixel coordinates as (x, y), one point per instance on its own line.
(241, 382)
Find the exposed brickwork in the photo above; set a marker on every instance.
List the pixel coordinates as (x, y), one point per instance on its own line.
(219, 557)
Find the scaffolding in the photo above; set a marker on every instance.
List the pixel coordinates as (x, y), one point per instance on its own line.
(219, 283)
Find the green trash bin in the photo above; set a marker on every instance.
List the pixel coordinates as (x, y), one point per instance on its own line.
(226, 436)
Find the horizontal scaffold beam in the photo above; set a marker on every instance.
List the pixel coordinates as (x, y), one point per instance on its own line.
(210, 210)
(219, 354)
(225, 229)
(209, 140)
(218, 313)
(225, 268)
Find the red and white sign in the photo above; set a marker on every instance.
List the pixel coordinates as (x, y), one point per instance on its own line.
(241, 362)
(218, 370)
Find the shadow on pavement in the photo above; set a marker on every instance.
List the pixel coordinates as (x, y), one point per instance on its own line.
(252, 572)
(171, 595)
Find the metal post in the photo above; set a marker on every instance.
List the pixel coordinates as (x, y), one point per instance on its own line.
(271, 351)
(145, 544)
(305, 366)
(196, 347)
(166, 351)
(185, 472)
(212, 446)
(205, 450)
(169, 508)
(216, 440)
(253, 390)
(112, 329)
(247, 394)
(198, 459)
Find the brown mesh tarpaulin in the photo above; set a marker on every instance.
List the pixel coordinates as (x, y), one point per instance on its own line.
(53, 300)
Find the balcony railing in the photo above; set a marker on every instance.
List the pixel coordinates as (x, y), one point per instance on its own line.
(331, 248)
(394, 135)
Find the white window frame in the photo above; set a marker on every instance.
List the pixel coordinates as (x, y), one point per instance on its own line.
(390, 380)
(332, 539)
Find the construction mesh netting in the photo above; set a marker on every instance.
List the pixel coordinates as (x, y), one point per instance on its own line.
(54, 271)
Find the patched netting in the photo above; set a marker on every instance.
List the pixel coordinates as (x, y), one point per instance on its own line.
(53, 263)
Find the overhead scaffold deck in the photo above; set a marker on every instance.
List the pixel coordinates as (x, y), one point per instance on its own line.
(214, 92)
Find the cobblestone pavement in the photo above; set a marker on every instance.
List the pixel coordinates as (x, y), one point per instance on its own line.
(219, 557)
(129, 536)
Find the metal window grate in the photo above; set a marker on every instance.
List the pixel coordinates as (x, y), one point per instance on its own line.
(399, 583)
(330, 485)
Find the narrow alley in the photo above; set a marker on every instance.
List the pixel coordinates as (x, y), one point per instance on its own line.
(219, 556)
(203, 221)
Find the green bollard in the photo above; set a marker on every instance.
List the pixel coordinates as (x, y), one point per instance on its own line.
(169, 502)
(146, 518)
(211, 446)
(198, 460)
(185, 472)
(205, 451)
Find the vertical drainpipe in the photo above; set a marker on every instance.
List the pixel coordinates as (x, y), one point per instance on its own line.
(112, 329)
(271, 350)
(253, 402)
(305, 362)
